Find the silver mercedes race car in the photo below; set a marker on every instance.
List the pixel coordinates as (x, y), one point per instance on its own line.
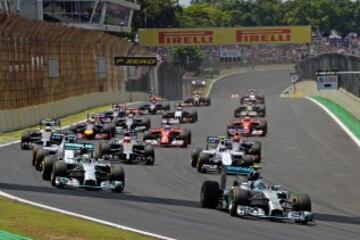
(88, 173)
(256, 199)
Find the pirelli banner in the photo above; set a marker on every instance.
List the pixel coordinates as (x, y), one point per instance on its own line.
(224, 36)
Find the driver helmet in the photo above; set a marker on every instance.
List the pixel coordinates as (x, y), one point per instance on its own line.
(179, 108)
(127, 139)
(48, 129)
(167, 127)
(86, 157)
(222, 146)
(247, 119)
(131, 115)
(236, 137)
(83, 151)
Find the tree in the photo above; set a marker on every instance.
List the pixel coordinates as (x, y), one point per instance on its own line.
(188, 58)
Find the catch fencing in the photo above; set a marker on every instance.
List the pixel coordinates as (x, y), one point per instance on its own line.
(333, 62)
(43, 62)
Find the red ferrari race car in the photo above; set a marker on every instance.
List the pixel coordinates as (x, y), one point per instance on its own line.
(197, 100)
(248, 127)
(92, 129)
(168, 137)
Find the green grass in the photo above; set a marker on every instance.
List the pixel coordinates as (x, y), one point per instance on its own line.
(41, 224)
(15, 135)
(345, 117)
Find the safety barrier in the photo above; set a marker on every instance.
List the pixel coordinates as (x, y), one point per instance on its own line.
(333, 61)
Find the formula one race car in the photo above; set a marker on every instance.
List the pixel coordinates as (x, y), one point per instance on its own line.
(179, 116)
(252, 98)
(88, 173)
(132, 123)
(168, 137)
(128, 150)
(221, 151)
(53, 146)
(37, 137)
(251, 109)
(84, 170)
(255, 199)
(93, 130)
(196, 101)
(247, 126)
(154, 106)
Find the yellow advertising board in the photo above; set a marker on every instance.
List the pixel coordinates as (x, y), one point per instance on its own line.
(224, 36)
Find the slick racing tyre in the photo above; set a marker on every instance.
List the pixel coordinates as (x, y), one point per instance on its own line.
(118, 174)
(195, 156)
(209, 196)
(47, 167)
(149, 155)
(59, 170)
(238, 197)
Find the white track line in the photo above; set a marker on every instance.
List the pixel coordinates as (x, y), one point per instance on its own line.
(337, 120)
(21, 200)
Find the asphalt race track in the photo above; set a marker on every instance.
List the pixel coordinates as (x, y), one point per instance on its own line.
(304, 151)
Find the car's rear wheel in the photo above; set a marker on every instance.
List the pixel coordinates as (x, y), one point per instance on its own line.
(203, 158)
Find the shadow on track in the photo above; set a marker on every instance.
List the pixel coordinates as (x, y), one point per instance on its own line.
(101, 194)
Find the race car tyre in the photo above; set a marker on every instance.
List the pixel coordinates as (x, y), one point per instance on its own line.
(189, 100)
(41, 154)
(47, 167)
(167, 107)
(209, 196)
(118, 174)
(183, 136)
(35, 150)
(203, 158)
(149, 154)
(208, 101)
(146, 136)
(238, 197)
(147, 123)
(256, 150)
(262, 110)
(187, 135)
(195, 156)
(302, 203)
(263, 126)
(73, 128)
(248, 161)
(104, 149)
(59, 170)
(260, 203)
(25, 140)
(194, 116)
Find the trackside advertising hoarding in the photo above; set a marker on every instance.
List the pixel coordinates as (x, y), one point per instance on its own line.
(224, 36)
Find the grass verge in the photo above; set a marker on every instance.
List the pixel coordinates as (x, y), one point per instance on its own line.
(41, 224)
(16, 135)
(345, 117)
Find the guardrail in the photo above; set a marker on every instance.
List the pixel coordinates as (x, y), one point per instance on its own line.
(333, 61)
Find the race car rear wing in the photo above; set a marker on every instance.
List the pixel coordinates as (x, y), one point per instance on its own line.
(50, 122)
(79, 146)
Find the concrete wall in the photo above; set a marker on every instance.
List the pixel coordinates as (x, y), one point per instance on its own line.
(29, 116)
(333, 61)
